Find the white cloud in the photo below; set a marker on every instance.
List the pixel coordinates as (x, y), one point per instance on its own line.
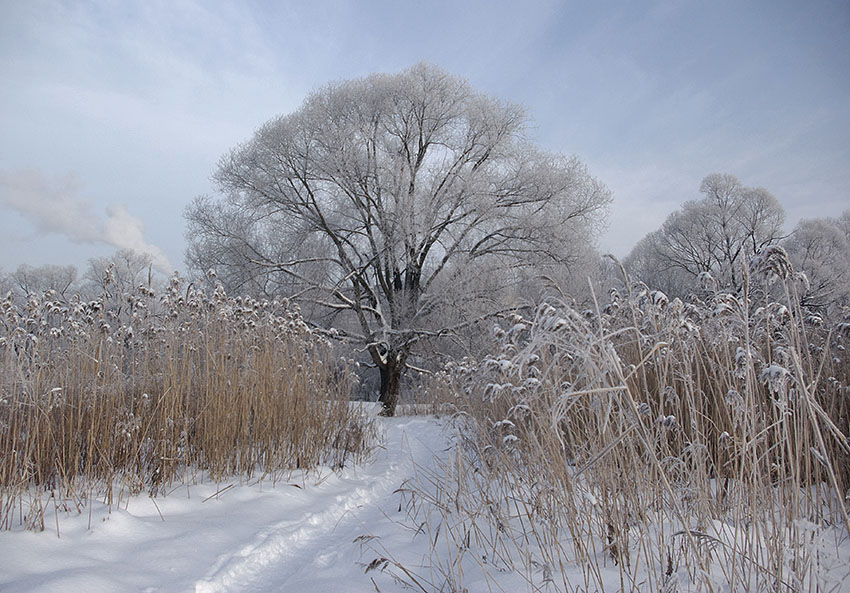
(55, 205)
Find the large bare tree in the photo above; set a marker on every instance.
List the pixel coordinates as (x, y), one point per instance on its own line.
(394, 198)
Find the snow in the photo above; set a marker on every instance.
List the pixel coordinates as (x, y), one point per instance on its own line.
(321, 531)
(296, 535)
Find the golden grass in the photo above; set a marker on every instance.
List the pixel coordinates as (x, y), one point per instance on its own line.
(138, 391)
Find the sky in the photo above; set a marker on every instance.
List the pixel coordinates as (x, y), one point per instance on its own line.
(113, 115)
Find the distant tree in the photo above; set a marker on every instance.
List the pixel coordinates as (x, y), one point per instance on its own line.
(7, 285)
(715, 234)
(118, 274)
(644, 264)
(28, 280)
(407, 201)
(843, 223)
(821, 250)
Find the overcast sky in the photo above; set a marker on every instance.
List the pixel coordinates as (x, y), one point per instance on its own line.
(114, 114)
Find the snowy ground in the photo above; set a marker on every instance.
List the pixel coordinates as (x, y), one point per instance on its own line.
(308, 533)
(325, 531)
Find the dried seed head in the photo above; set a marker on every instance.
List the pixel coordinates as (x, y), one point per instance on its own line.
(772, 263)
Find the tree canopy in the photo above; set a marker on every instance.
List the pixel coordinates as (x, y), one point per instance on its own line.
(392, 197)
(713, 235)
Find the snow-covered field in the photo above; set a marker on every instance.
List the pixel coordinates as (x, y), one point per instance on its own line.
(323, 531)
(316, 532)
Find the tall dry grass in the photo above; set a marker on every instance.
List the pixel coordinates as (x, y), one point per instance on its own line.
(651, 445)
(134, 392)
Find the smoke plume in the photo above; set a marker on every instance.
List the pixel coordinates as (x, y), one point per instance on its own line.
(55, 205)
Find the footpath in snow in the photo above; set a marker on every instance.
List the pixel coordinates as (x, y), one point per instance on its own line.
(308, 534)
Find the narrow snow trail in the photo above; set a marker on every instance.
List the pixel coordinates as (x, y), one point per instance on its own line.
(214, 538)
(316, 550)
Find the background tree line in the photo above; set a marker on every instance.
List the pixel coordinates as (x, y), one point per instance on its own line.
(706, 243)
(119, 273)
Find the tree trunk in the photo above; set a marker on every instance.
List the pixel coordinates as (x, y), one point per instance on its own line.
(390, 385)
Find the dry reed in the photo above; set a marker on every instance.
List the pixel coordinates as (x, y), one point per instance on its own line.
(132, 392)
(651, 445)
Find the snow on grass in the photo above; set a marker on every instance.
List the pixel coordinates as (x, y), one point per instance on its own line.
(296, 536)
(404, 520)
